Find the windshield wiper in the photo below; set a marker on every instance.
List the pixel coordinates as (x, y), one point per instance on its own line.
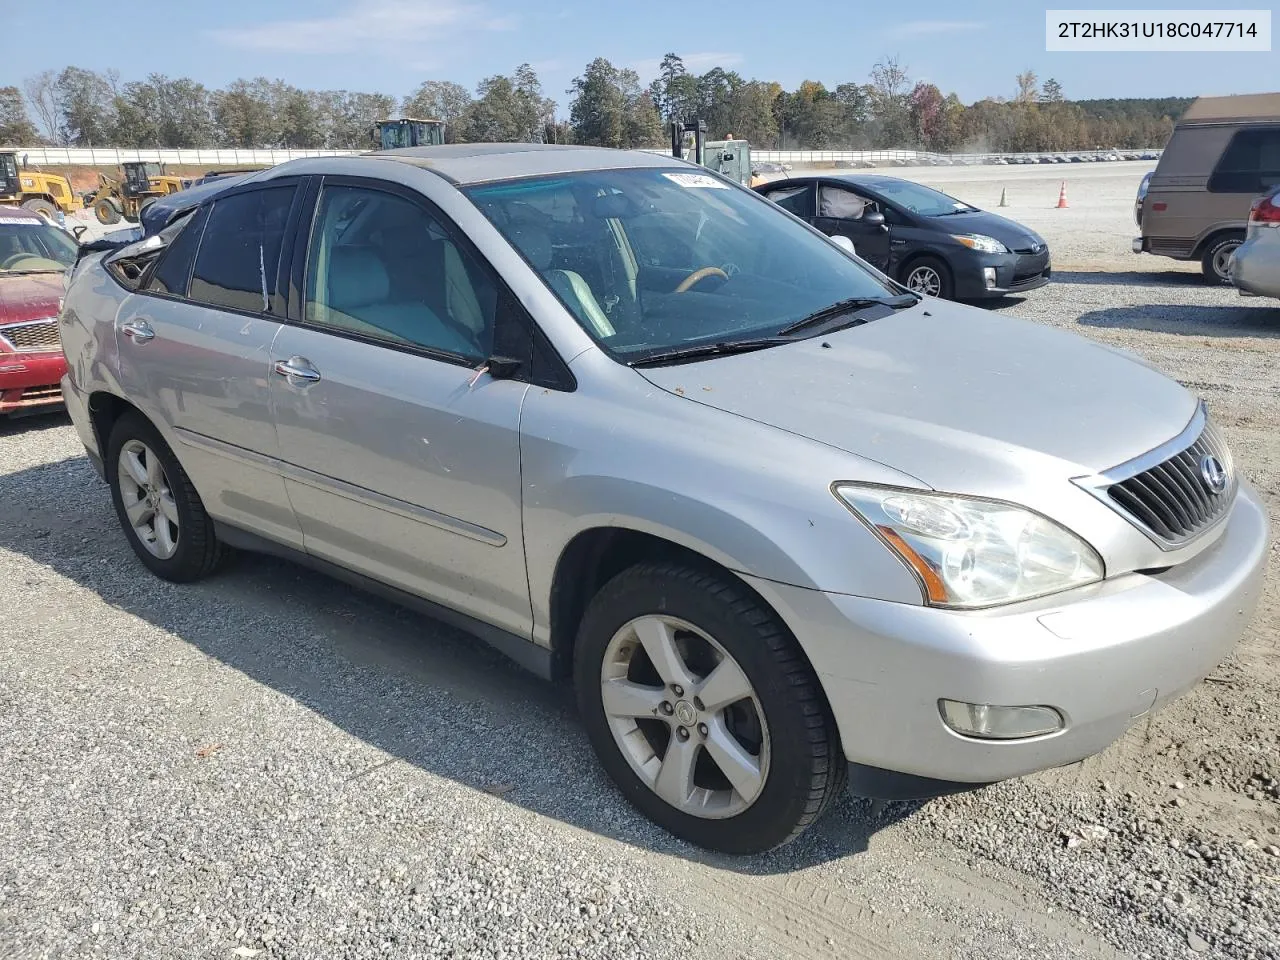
(35, 270)
(841, 307)
(709, 350)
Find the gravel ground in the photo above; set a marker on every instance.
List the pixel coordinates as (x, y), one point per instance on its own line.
(269, 764)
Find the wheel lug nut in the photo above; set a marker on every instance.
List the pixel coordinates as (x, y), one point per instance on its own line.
(682, 733)
(667, 708)
(677, 690)
(702, 729)
(697, 704)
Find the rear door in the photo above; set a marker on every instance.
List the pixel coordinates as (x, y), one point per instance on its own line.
(401, 459)
(194, 349)
(839, 214)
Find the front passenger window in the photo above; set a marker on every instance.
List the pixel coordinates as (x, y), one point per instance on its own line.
(381, 266)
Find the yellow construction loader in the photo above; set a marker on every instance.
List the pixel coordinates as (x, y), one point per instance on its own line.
(142, 183)
(46, 194)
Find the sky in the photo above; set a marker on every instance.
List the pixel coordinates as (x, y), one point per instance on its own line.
(974, 49)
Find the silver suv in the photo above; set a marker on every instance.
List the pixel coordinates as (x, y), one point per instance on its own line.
(635, 425)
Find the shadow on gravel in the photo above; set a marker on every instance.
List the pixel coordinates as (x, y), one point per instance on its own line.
(420, 691)
(1131, 278)
(32, 423)
(1246, 320)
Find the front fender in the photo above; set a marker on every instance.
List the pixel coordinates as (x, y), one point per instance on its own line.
(751, 497)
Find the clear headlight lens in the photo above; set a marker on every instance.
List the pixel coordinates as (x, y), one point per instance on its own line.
(977, 241)
(975, 553)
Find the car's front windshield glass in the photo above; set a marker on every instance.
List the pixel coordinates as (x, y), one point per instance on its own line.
(920, 200)
(654, 260)
(32, 245)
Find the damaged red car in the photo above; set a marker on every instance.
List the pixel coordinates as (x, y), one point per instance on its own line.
(35, 255)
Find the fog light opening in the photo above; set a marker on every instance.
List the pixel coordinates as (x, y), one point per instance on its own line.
(986, 721)
(989, 277)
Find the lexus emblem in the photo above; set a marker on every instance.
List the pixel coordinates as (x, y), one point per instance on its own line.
(1213, 474)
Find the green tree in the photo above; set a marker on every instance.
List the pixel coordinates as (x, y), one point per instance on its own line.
(440, 100)
(1052, 92)
(300, 120)
(84, 102)
(508, 109)
(601, 112)
(243, 114)
(16, 128)
(890, 88)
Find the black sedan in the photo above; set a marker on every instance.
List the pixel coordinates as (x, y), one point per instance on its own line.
(932, 243)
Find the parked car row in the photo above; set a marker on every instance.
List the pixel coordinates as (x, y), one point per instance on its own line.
(783, 520)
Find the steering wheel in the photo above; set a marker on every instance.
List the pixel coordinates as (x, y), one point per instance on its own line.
(699, 275)
(17, 258)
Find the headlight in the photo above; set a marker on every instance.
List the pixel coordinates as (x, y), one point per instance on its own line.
(974, 553)
(976, 241)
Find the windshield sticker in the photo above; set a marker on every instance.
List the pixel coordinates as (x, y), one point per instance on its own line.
(696, 180)
(30, 221)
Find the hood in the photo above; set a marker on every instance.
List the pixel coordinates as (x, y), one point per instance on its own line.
(29, 296)
(963, 400)
(1013, 235)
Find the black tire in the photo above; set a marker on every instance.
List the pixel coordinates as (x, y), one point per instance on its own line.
(198, 551)
(946, 285)
(807, 768)
(106, 210)
(42, 208)
(1216, 255)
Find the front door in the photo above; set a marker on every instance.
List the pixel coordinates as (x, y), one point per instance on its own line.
(194, 346)
(401, 460)
(839, 214)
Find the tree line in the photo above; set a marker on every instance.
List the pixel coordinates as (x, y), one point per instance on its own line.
(608, 106)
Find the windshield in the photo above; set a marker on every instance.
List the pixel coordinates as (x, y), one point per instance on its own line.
(657, 259)
(920, 200)
(32, 245)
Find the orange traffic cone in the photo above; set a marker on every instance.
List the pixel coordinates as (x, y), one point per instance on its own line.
(1062, 195)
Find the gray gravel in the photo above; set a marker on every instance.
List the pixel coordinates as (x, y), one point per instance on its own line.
(269, 764)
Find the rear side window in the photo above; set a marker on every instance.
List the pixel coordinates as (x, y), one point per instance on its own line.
(1250, 164)
(797, 200)
(174, 269)
(239, 257)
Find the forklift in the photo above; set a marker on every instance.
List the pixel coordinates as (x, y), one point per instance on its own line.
(407, 132)
(729, 157)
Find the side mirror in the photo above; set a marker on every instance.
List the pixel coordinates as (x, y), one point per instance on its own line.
(80, 231)
(873, 218)
(845, 244)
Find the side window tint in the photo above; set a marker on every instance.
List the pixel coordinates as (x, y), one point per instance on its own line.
(174, 269)
(240, 251)
(792, 199)
(382, 266)
(1250, 164)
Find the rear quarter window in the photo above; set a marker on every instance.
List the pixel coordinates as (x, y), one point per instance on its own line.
(1250, 163)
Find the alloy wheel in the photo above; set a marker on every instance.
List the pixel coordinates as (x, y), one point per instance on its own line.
(924, 280)
(148, 499)
(1222, 260)
(685, 716)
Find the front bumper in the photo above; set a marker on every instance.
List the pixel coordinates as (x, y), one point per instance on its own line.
(1103, 656)
(30, 381)
(1014, 273)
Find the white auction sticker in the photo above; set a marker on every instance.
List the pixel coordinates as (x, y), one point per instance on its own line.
(1157, 31)
(700, 180)
(35, 221)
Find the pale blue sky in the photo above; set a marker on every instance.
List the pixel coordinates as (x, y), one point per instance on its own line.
(390, 46)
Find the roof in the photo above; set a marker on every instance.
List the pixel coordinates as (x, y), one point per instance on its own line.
(19, 213)
(480, 162)
(1244, 106)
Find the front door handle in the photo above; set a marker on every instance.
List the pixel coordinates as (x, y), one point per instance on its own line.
(139, 331)
(297, 370)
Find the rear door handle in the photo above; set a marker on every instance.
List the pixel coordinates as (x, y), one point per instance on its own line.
(297, 370)
(139, 331)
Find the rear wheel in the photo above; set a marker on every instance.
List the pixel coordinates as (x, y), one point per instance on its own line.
(1216, 259)
(703, 709)
(929, 277)
(42, 208)
(162, 515)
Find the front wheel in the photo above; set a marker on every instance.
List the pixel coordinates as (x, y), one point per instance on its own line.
(703, 709)
(42, 208)
(928, 277)
(107, 211)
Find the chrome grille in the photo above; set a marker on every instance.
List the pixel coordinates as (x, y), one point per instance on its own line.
(1173, 499)
(36, 336)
